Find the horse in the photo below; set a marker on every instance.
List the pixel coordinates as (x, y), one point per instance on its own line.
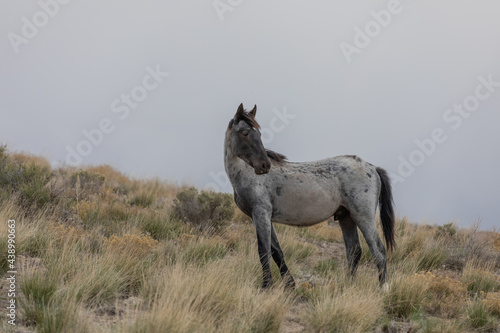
(270, 189)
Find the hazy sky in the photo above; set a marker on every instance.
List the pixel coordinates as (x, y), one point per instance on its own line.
(411, 86)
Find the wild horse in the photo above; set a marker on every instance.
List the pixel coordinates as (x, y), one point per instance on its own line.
(269, 189)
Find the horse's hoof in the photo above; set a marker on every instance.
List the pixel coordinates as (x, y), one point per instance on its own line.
(385, 287)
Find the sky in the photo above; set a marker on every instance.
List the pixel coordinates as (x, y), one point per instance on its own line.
(149, 87)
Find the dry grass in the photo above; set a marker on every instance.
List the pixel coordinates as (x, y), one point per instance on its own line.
(347, 310)
(480, 277)
(107, 255)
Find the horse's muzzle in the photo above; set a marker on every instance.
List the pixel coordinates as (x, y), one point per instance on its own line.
(263, 168)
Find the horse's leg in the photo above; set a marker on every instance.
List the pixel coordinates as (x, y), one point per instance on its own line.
(278, 257)
(262, 221)
(366, 223)
(351, 240)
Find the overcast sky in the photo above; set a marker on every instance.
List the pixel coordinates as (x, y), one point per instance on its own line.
(411, 86)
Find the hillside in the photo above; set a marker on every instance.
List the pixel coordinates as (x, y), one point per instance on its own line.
(97, 251)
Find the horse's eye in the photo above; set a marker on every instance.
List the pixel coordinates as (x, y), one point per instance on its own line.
(245, 133)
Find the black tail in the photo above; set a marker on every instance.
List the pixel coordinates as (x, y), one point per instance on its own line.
(386, 209)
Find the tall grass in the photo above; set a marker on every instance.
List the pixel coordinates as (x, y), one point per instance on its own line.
(346, 310)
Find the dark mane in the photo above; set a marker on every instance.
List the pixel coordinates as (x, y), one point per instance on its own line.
(276, 156)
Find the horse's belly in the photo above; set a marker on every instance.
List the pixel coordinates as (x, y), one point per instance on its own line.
(303, 209)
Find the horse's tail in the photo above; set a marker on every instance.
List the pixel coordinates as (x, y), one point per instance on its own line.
(386, 209)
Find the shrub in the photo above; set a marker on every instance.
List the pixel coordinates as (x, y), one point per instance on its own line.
(350, 310)
(159, 226)
(206, 210)
(431, 256)
(480, 279)
(446, 295)
(38, 288)
(114, 179)
(492, 303)
(496, 241)
(63, 315)
(478, 316)
(143, 200)
(446, 230)
(86, 183)
(66, 232)
(28, 180)
(406, 295)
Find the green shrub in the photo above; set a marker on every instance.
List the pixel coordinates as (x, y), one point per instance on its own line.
(62, 315)
(159, 226)
(479, 279)
(406, 295)
(431, 256)
(446, 230)
(28, 181)
(479, 318)
(143, 200)
(38, 288)
(206, 210)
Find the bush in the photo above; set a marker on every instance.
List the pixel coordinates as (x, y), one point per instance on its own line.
(446, 295)
(206, 210)
(143, 200)
(446, 230)
(478, 279)
(479, 318)
(86, 183)
(351, 310)
(406, 295)
(38, 288)
(159, 226)
(492, 303)
(28, 180)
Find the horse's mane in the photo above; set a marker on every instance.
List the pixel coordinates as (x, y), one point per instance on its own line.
(280, 158)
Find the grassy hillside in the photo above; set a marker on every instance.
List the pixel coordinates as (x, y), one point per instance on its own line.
(97, 251)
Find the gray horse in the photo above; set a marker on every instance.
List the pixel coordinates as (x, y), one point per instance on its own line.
(270, 189)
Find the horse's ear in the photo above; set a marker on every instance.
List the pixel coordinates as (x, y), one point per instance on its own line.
(253, 112)
(239, 114)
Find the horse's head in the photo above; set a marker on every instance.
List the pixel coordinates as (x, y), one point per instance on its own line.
(243, 136)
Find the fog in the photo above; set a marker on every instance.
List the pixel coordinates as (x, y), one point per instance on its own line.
(149, 87)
